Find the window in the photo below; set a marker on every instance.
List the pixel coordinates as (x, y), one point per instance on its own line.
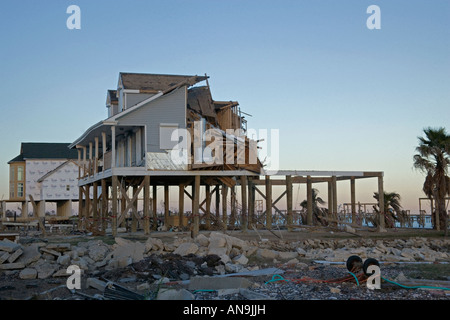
(68, 187)
(11, 174)
(20, 190)
(165, 135)
(20, 173)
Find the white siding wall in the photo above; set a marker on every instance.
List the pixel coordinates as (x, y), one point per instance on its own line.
(167, 109)
(54, 187)
(135, 98)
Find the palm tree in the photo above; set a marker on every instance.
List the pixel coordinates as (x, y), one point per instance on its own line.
(317, 211)
(392, 207)
(433, 158)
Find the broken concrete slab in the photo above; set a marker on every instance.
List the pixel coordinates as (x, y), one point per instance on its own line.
(218, 251)
(154, 244)
(9, 246)
(226, 292)
(217, 242)
(28, 274)
(202, 240)
(13, 257)
(120, 262)
(287, 255)
(50, 251)
(96, 284)
(267, 254)
(186, 248)
(234, 267)
(240, 259)
(46, 269)
(61, 273)
(63, 260)
(60, 247)
(4, 256)
(217, 283)
(175, 294)
(97, 252)
(81, 263)
(30, 254)
(251, 295)
(126, 248)
(12, 266)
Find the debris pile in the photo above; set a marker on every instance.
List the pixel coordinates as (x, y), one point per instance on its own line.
(151, 263)
(42, 260)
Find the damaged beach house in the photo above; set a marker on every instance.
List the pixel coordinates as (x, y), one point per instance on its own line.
(167, 132)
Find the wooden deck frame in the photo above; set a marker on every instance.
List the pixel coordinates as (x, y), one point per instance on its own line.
(236, 212)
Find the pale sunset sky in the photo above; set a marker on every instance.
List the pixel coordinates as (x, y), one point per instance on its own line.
(343, 96)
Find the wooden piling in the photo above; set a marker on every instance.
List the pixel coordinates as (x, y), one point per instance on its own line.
(289, 203)
(353, 199)
(208, 207)
(196, 206)
(146, 205)
(251, 203)
(244, 218)
(224, 205)
(268, 203)
(114, 205)
(335, 204)
(155, 207)
(309, 197)
(181, 204)
(166, 205)
(381, 225)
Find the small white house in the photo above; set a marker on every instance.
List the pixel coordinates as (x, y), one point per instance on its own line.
(44, 172)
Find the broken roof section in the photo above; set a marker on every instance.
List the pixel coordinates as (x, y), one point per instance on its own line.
(154, 83)
(201, 102)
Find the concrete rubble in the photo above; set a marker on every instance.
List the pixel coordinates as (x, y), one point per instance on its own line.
(206, 256)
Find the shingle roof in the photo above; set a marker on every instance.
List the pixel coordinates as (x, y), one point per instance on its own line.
(155, 82)
(45, 150)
